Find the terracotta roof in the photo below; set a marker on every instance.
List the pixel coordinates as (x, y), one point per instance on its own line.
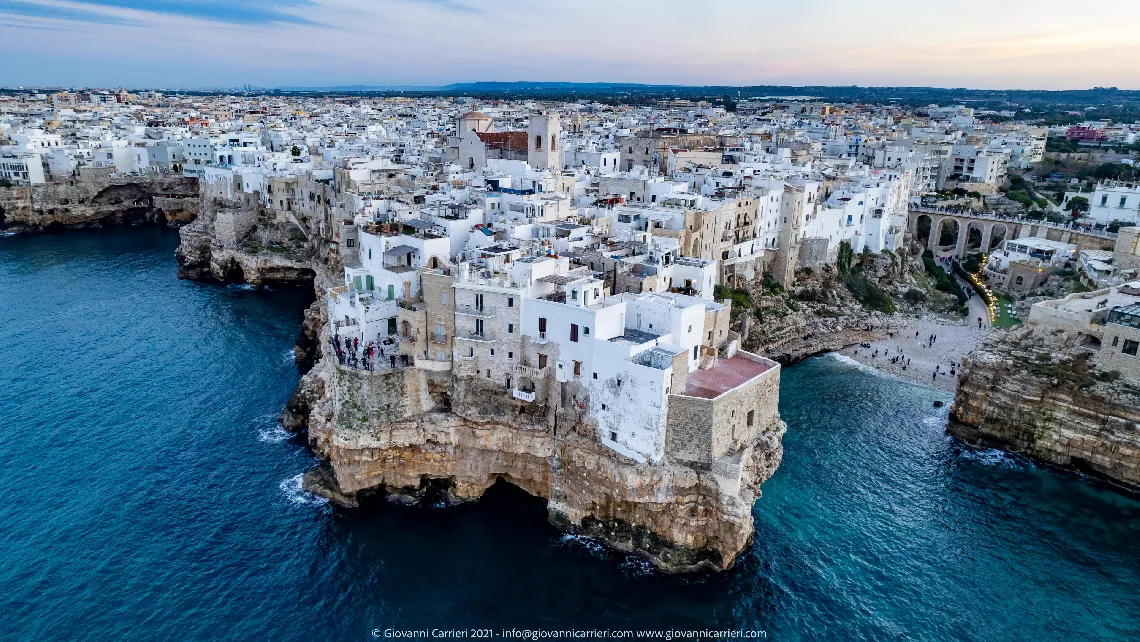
(510, 141)
(474, 115)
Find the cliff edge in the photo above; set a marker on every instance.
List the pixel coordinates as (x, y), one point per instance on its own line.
(400, 432)
(98, 202)
(1039, 392)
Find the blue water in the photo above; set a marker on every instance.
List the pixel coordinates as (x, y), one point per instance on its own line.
(147, 494)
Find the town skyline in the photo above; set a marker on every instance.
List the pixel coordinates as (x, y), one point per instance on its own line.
(314, 43)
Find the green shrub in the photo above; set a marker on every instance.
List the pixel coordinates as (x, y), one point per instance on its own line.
(868, 293)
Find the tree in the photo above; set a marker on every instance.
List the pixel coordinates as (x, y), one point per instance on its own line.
(1078, 204)
(296, 151)
(844, 257)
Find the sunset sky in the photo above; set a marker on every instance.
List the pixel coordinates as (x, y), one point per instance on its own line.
(1027, 44)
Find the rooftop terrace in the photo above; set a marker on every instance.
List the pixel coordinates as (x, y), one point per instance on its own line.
(728, 374)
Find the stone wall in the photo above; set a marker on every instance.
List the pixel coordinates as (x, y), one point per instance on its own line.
(701, 430)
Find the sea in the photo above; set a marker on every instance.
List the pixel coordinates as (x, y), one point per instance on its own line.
(147, 492)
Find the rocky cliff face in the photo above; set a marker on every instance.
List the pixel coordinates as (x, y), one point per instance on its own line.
(234, 240)
(402, 433)
(99, 202)
(1037, 393)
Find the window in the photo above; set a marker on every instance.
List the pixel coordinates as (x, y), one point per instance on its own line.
(603, 406)
(1103, 201)
(347, 242)
(613, 436)
(574, 294)
(510, 328)
(488, 374)
(595, 376)
(1115, 340)
(574, 332)
(749, 418)
(710, 335)
(510, 355)
(541, 361)
(510, 302)
(492, 352)
(695, 348)
(1123, 200)
(578, 368)
(471, 352)
(586, 331)
(541, 327)
(1130, 347)
(479, 327)
(538, 142)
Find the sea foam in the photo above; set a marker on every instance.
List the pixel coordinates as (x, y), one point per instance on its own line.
(296, 494)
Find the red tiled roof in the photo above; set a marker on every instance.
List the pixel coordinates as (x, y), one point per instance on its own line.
(510, 141)
(474, 115)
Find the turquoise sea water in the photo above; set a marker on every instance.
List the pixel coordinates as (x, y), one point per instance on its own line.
(147, 494)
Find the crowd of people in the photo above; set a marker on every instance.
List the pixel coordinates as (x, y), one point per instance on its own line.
(373, 355)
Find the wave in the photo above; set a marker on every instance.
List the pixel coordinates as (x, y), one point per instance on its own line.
(293, 490)
(851, 361)
(589, 544)
(993, 457)
(269, 429)
(241, 286)
(289, 358)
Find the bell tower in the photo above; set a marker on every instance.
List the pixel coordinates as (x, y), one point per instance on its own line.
(544, 149)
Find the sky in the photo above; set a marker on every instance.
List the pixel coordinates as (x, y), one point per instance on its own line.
(188, 44)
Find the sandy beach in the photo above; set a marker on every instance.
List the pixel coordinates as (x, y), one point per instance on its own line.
(918, 357)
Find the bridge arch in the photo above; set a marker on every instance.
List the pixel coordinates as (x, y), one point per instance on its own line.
(947, 235)
(997, 236)
(922, 225)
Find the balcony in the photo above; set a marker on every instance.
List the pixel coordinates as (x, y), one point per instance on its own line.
(525, 370)
(523, 395)
(473, 311)
(541, 338)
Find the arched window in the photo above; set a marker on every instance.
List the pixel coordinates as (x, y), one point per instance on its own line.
(538, 142)
(471, 162)
(552, 143)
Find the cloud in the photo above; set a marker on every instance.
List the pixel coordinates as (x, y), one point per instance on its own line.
(213, 43)
(232, 11)
(31, 9)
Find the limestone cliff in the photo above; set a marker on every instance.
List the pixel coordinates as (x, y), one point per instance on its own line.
(98, 202)
(819, 312)
(400, 432)
(1038, 393)
(235, 240)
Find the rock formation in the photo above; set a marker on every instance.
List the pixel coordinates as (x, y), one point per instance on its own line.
(98, 202)
(1037, 392)
(235, 240)
(402, 432)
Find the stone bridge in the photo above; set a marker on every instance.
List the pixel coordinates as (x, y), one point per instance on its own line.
(1008, 227)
